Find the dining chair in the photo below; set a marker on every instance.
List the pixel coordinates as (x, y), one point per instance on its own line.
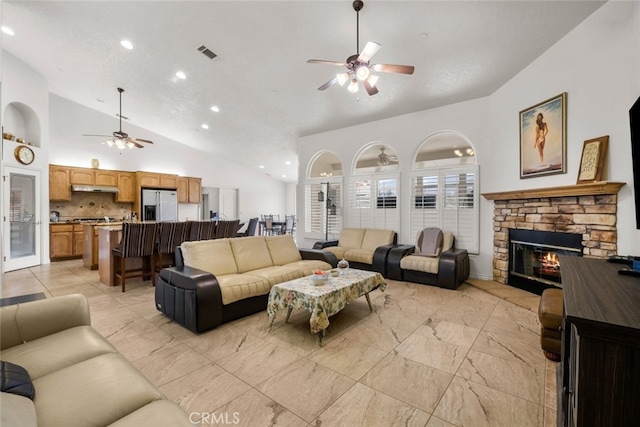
(289, 224)
(170, 236)
(268, 225)
(251, 228)
(227, 229)
(138, 241)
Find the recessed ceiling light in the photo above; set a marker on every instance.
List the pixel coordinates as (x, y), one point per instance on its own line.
(126, 44)
(181, 75)
(8, 31)
(215, 109)
(205, 126)
(284, 176)
(287, 162)
(261, 166)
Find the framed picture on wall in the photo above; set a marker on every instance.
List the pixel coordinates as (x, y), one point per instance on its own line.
(594, 152)
(543, 138)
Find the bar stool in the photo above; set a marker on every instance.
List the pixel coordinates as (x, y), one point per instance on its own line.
(170, 235)
(138, 241)
(227, 229)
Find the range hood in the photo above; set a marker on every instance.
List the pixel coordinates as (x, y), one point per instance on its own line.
(94, 188)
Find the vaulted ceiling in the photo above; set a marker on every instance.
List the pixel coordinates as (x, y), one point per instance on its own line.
(260, 80)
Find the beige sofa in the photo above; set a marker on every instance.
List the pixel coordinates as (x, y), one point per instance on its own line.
(79, 377)
(219, 280)
(364, 248)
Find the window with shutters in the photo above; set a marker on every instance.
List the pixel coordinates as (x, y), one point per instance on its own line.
(323, 198)
(447, 198)
(373, 201)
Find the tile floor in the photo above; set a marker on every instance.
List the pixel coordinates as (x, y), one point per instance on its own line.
(425, 356)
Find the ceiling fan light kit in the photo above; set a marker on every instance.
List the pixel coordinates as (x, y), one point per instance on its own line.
(358, 66)
(120, 139)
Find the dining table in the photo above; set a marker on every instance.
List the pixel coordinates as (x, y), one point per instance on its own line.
(279, 227)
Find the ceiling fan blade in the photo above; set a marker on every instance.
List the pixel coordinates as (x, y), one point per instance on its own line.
(329, 84)
(143, 140)
(104, 136)
(371, 90)
(322, 61)
(369, 50)
(390, 68)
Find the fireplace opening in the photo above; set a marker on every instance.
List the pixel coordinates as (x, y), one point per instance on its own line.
(533, 258)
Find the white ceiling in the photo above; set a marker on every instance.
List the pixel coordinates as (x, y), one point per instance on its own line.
(266, 91)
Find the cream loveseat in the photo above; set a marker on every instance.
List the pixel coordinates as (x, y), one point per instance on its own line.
(364, 248)
(219, 280)
(80, 379)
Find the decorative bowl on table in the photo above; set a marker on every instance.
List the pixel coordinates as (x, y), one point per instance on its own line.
(343, 265)
(319, 277)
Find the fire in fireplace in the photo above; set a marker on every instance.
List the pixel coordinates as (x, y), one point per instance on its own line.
(533, 258)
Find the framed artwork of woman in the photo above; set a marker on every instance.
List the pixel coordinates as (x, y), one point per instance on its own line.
(543, 136)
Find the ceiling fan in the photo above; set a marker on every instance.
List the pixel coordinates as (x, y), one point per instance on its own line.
(358, 66)
(384, 159)
(121, 139)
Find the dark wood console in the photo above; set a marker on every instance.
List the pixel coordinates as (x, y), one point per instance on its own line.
(599, 376)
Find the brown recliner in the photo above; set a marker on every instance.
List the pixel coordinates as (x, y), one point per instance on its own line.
(550, 313)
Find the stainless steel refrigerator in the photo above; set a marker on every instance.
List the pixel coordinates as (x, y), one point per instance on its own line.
(159, 205)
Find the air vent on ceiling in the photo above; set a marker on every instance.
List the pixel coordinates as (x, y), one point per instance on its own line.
(207, 52)
(123, 117)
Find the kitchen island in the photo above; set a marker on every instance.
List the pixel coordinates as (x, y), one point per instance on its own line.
(90, 246)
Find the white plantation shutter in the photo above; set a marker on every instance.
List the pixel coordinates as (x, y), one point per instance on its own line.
(322, 214)
(447, 198)
(373, 201)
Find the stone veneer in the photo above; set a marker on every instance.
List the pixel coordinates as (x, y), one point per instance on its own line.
(593, 216)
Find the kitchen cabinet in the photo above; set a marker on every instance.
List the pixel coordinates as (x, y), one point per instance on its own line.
(66, 241)
(189, 189)
(105, 177)
(82, 176)
(126, 187)
(156, 180)
(59, 186)
(599, 375)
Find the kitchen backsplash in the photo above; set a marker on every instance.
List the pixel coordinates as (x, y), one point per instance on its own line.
(91, 205)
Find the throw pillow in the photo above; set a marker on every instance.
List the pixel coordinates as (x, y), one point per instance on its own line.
(15, 379)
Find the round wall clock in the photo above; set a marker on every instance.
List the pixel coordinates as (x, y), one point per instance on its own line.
(24, 155)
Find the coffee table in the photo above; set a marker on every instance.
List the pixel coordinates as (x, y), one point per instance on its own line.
(324, 300)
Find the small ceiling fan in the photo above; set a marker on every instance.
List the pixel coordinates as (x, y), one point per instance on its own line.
(358, 66)
(121, 139)
(384, 159)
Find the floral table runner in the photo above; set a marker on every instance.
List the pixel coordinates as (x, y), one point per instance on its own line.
(323, 300)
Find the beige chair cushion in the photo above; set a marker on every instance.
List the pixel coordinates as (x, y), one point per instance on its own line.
(278, 273)
(235, 287)
(338, 251)
(364, 256)
(307, 266)
(251, 253)
(214, 256)
(447, 240)
(96, 392)
(63, 349)
(420, 263)
(351, 238)
(374, 238)
(17, 411)
(283, 249)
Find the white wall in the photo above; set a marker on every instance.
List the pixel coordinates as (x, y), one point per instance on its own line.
(258, 193)
(597, 64)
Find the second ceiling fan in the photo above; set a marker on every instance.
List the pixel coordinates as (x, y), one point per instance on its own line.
(358, 66)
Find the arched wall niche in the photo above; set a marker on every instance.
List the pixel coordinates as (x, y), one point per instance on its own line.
(444, 148)
(324, 164)
(22, 121)
(375, 157)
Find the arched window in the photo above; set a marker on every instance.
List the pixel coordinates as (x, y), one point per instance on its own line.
(444, 188)
(323, 196)
(373, 189)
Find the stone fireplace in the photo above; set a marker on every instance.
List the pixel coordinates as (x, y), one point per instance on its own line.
(587, 210)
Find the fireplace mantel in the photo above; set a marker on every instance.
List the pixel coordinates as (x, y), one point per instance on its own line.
(590, 189)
